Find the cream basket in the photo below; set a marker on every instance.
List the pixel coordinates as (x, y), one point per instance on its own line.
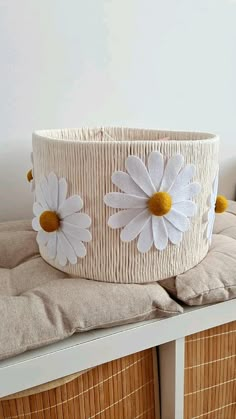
(87, 158)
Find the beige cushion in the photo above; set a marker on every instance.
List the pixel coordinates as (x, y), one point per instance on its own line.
(213, 279)
(40, 305)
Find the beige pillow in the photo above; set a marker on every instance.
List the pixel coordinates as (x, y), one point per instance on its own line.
(40, 305)
(214, 278)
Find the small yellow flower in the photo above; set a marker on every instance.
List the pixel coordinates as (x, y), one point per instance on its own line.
(30, 175)
(221, 204)
(49, 221)
(160, 203)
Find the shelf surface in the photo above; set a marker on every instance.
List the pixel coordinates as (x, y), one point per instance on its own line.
(88, 349)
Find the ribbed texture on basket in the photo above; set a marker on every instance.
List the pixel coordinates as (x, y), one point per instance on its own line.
(210, 374)
(121, 389)
(87, 159)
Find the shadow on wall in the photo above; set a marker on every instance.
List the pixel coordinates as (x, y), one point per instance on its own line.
(227, 182)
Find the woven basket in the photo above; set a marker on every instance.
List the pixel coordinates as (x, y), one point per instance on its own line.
(87, 158)
(210, 374)
(123, 389)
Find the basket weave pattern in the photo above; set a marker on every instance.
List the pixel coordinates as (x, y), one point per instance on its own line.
(87, 159)
(210, 374)
(124, 388)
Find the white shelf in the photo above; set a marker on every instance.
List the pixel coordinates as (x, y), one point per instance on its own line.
(82, 351)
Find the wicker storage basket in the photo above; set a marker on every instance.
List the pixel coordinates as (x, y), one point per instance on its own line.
(87, 159)
(210, 374)
(123, 389)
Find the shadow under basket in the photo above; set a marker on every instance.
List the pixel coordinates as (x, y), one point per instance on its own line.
(126, 388)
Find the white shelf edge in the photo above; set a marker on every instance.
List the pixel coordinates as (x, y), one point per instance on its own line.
(171, 358)
(89, 349)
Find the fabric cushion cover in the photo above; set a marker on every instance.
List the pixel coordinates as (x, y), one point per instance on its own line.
(40, 305)
(214, 278)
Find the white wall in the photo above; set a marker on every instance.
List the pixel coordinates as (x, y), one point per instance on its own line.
(146, 63)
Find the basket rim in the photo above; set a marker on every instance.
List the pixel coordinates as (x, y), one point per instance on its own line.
(45, 386)
(72, 135)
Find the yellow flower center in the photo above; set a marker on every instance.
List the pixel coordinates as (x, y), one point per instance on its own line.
(221, 204)
(29, 175)
(49, 221)
(160, 203)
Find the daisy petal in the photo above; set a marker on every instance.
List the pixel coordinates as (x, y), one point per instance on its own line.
(72, 204)
(32, 157)
(52, 245)
(183, 178)
(126, 184)
(67, 248)
(212, 200)
(210, 225)
(137, 170)
(145, 240)
(84, 235)
(188, 192)
(81, 233)
(80, 219)
(178, 220)
(187, 208)
(159, 233)
(174, 235)
(42, 238)
(45, 191)
(215, 183)
(122, 218)
(61, 257)
(53, 190)
(156, 168)
(77, 245)
(134, 227)
(62, 191)
(209, 229)
(37, 209)
(40, 198)
(35, 224)
(172, 169)
(122, 200)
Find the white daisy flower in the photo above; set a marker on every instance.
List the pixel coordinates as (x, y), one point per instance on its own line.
(156, 203)
(60, 225)
(217, 204)
(30, 174)
(212, 203)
